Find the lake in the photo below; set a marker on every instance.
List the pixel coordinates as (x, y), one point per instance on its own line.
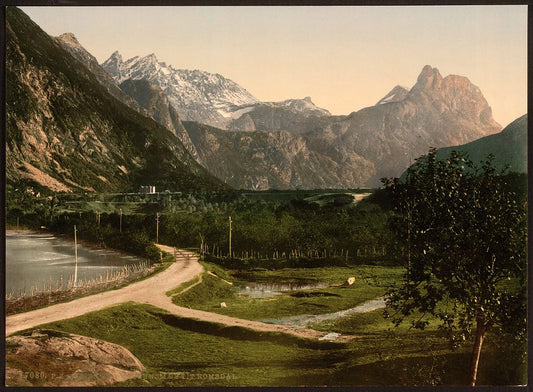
(32, 258)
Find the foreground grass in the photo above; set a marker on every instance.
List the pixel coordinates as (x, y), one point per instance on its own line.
(168, 345)
(371, 282)
(425, 356)
(182, 352)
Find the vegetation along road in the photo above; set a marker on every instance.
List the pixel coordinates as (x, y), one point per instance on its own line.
(149, 291)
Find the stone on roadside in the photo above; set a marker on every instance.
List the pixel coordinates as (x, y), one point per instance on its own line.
(330, 337)
(223, 305)
(350, 281)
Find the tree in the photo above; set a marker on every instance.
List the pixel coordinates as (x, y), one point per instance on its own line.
(465, 233)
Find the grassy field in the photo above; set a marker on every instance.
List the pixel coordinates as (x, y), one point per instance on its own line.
(182, 352)
(168, 345)
(370, 282)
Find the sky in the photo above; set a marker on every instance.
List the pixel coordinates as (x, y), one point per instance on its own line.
(345, 57)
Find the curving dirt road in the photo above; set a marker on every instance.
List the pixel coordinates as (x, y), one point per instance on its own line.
(150, 291)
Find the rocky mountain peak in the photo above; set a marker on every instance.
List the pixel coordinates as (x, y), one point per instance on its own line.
(116, 56)
(113, 65)
(428, 80)
(71, 134)
(69, 38)
(397, 94)
(195, 95)
(69, 42)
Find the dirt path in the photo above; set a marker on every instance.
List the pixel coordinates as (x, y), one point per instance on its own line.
(183, 270)
(151, 291)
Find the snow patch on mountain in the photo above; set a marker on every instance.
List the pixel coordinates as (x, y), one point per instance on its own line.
(397, 94)
(305, 105)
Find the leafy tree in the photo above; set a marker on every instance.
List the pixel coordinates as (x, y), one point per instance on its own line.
(465, 233)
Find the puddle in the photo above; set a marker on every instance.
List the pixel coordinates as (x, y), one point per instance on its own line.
(268, 289)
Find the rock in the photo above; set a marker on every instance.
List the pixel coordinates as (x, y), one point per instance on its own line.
(349, 281)
(223, 305)
(332, 336)
(52, 358)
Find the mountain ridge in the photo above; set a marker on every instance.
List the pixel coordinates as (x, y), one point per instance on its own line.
(70, 43)
(195, 95)
(383, 139)
(66, 132)
(296, 143)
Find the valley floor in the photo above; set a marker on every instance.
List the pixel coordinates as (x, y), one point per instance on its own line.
(149, 291)
(216, 346)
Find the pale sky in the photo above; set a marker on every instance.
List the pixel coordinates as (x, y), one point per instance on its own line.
(345, 58)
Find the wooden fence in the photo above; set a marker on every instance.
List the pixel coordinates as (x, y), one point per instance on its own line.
(50, 291)
(216, 252)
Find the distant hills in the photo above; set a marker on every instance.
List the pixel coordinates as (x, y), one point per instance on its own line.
(509, 148)
(210, 124)
(67, 133)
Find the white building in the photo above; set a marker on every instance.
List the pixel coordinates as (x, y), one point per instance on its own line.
(148, 189)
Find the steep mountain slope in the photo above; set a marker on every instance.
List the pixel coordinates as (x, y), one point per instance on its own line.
(69, 42)
(64, 131)
(436, 112)
(273, 160)
(252, 160)
(196, 95)
(140, 95)
(509, 147)
(155, 104)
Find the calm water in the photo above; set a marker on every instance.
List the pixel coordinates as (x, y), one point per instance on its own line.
(273, 288)
(32, 258)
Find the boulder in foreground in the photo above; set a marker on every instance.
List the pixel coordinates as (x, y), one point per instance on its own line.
(52, 358)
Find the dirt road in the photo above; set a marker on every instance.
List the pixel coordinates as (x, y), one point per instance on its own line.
(150, 291)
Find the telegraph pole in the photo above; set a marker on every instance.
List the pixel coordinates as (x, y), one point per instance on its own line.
(75, 257)
(201, 246)
(230, 236)
(157, 228)
(121, 220)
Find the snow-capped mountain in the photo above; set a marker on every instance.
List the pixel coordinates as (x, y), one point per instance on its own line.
(196, 95)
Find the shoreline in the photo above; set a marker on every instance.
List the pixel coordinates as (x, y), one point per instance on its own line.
(12, 232)
(87, 244)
